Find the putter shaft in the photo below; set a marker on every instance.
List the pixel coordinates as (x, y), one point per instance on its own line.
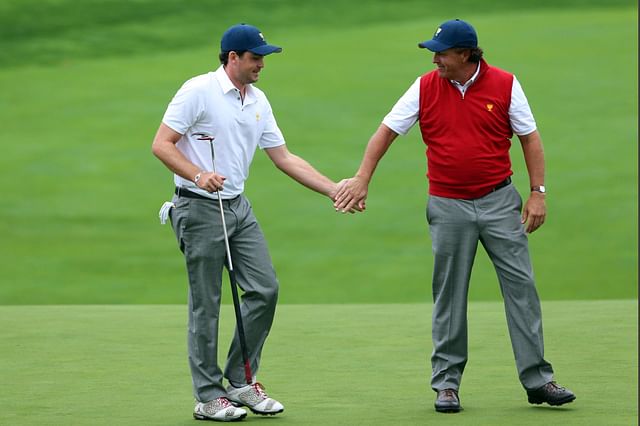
(232, 279)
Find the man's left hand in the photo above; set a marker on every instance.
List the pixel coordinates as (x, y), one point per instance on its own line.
(534, 212)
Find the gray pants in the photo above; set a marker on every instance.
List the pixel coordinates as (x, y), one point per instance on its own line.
(456, 226)
(198, 228)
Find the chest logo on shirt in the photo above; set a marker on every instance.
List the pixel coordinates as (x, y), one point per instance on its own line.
(490, 107)
(257, 117)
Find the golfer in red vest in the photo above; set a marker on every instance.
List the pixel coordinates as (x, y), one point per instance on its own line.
(468, 111)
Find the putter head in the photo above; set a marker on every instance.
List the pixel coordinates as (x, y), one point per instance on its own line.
(203, 137)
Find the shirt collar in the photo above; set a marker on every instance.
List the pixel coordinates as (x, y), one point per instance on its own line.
(470, 81)
(226, 85)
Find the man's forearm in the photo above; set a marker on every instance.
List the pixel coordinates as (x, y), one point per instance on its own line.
(176, 161)
(376, 148)
(164, 148)
(534, 157)
(302, 172)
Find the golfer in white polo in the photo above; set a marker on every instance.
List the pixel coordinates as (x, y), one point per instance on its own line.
(225, 105)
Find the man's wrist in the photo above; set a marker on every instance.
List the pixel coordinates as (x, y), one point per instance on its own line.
(539, 188)
(197, 177)
(363, 177)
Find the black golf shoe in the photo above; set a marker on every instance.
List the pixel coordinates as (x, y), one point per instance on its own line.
(550, 393)
(447, 401)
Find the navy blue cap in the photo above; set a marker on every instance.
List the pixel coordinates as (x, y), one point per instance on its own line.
(243, 37)
(453, 33)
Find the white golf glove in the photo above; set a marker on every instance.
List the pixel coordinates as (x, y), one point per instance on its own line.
(164, 211)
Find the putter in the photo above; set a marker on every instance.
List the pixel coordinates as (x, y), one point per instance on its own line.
(232, 276)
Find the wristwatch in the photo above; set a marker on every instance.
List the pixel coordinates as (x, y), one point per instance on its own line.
(197, 178)
(540, 189)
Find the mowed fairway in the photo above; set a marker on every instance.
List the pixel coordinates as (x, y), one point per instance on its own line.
(329, 364)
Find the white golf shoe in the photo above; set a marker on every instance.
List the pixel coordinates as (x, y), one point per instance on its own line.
(255, 398)
(220, 409)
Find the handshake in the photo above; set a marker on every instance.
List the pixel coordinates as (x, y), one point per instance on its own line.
(349, 195)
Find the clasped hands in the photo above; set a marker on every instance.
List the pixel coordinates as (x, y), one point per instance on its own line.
(350, 195)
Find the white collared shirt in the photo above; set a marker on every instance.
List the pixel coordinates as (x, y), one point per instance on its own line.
(211, 104)
(404, 113)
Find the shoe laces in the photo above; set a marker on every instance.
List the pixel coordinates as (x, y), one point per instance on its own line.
(556, 386)
(224, 402)
(259, 389)
(450, 393)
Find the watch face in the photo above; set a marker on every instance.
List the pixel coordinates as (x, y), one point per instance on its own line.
(540, 188)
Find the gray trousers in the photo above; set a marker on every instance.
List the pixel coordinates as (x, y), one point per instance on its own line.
(198, 228)
(456, 226)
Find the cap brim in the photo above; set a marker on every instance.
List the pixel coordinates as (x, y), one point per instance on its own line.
(434, 46)
(265, 49)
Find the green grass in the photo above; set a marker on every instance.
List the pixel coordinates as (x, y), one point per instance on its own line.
(63, 31)
(79, 217)
(329, 364)
(84, 85)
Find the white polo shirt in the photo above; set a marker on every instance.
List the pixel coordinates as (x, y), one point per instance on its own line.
(404, 113)
(211, 104)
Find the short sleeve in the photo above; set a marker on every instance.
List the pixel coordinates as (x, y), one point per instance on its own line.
(520, 115)
(404, 113)
(271, 135)
(185, 108)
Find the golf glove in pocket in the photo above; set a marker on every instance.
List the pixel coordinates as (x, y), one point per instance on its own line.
(164, 211)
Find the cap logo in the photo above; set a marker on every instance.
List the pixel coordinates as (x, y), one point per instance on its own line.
(437, 32)
(261, 36)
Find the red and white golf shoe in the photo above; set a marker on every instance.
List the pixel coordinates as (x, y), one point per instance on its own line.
(255, 398)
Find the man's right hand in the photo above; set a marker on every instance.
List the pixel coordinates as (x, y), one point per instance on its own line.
(210, 181)
(351, 194)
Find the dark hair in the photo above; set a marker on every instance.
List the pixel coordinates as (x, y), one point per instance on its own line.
(475, 53)
(224, 56)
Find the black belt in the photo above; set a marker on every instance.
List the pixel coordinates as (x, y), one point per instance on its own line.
(502, 184)
(181, 192)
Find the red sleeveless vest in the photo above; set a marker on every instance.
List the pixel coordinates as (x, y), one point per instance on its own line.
(468, 138)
